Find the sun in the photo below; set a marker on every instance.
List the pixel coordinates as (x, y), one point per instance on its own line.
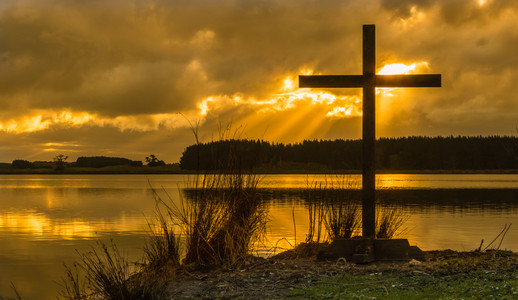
(398, 68)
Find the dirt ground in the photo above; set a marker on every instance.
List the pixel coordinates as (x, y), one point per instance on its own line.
(275, 277)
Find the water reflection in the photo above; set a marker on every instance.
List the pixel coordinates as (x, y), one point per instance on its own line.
(398, 181)
(36, 225)
(437, 219)
(482, 201)
(43, 218)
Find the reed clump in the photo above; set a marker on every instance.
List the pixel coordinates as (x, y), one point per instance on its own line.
(316, 195)
(343, 219)
(335, 212)
(223, 219)
(332, 207)
(162, 248)
(222, 214)
(16, 293)
(389, 220)
(105, 272)
(218, 221)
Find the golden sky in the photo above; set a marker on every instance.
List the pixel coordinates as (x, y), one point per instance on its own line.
(125, 77)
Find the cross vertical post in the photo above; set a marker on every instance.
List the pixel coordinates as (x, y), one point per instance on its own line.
(369, 133)
(369, 81)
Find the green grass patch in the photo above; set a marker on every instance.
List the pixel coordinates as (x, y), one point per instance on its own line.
(479, 284)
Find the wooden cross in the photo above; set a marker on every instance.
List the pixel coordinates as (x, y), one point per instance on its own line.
(369, 81)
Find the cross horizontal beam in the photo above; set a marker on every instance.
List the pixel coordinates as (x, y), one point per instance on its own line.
(358, 81)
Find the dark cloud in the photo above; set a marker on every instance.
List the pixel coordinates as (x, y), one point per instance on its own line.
(125, 57)
(137, 59)
(405, 8)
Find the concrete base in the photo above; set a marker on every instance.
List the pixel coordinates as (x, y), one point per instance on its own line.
(368, 250)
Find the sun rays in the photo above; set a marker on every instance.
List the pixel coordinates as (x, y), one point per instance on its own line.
(285, 113)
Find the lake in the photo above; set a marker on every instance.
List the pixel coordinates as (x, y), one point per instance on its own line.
(44, 219)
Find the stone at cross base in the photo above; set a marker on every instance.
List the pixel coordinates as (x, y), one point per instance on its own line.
(368, 248)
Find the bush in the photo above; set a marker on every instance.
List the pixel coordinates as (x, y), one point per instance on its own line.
(21, 164)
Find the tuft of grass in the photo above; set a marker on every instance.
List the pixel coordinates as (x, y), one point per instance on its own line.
(389, 220)
(15, 291)
(105, 272)
(316, 212)
(344, 215)
(331, 204)
(162, 248)
(221, 212)
(223, 219)
(343, 221)
(74, 284)
(221, 215)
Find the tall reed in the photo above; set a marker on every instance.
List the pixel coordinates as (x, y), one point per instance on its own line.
(74, 284)
(389, 220)
(316, 196)
(221, 214)
(331, 204)
(223, 219)
(343, 219)
(162, 248)
(104, 272)
(17, 295)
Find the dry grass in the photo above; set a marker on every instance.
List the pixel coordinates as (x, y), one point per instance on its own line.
(222, 217)
(389, 220)
(15, 291)
(343, 220)
(74, 284)
(316, 212)
(103, 272)
(333, 213)
(162, 249)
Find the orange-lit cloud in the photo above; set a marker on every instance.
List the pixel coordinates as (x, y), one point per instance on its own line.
(46, 119)
(91, 73)
(289, 97)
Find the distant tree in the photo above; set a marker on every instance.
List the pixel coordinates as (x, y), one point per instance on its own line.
(403, 153)
(153, 161)
(21, 164)
(103, 161)
(38, 164)
(59, 162)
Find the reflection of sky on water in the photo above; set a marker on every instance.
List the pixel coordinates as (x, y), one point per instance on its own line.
(43, 218)
(398, 181)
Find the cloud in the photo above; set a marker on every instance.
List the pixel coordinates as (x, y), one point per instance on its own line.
(129, 67)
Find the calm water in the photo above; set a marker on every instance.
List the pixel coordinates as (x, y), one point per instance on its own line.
(44, 219)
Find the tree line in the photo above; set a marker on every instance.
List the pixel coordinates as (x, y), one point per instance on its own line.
(59, 162)
(404, 153)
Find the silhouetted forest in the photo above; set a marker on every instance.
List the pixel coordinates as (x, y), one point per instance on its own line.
(406, 153)
(103, 161)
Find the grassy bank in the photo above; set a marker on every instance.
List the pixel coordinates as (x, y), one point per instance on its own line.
(444, 275)
(291, 275)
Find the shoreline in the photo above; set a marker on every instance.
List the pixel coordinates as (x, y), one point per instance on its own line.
(300, 275)
(173, 171)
